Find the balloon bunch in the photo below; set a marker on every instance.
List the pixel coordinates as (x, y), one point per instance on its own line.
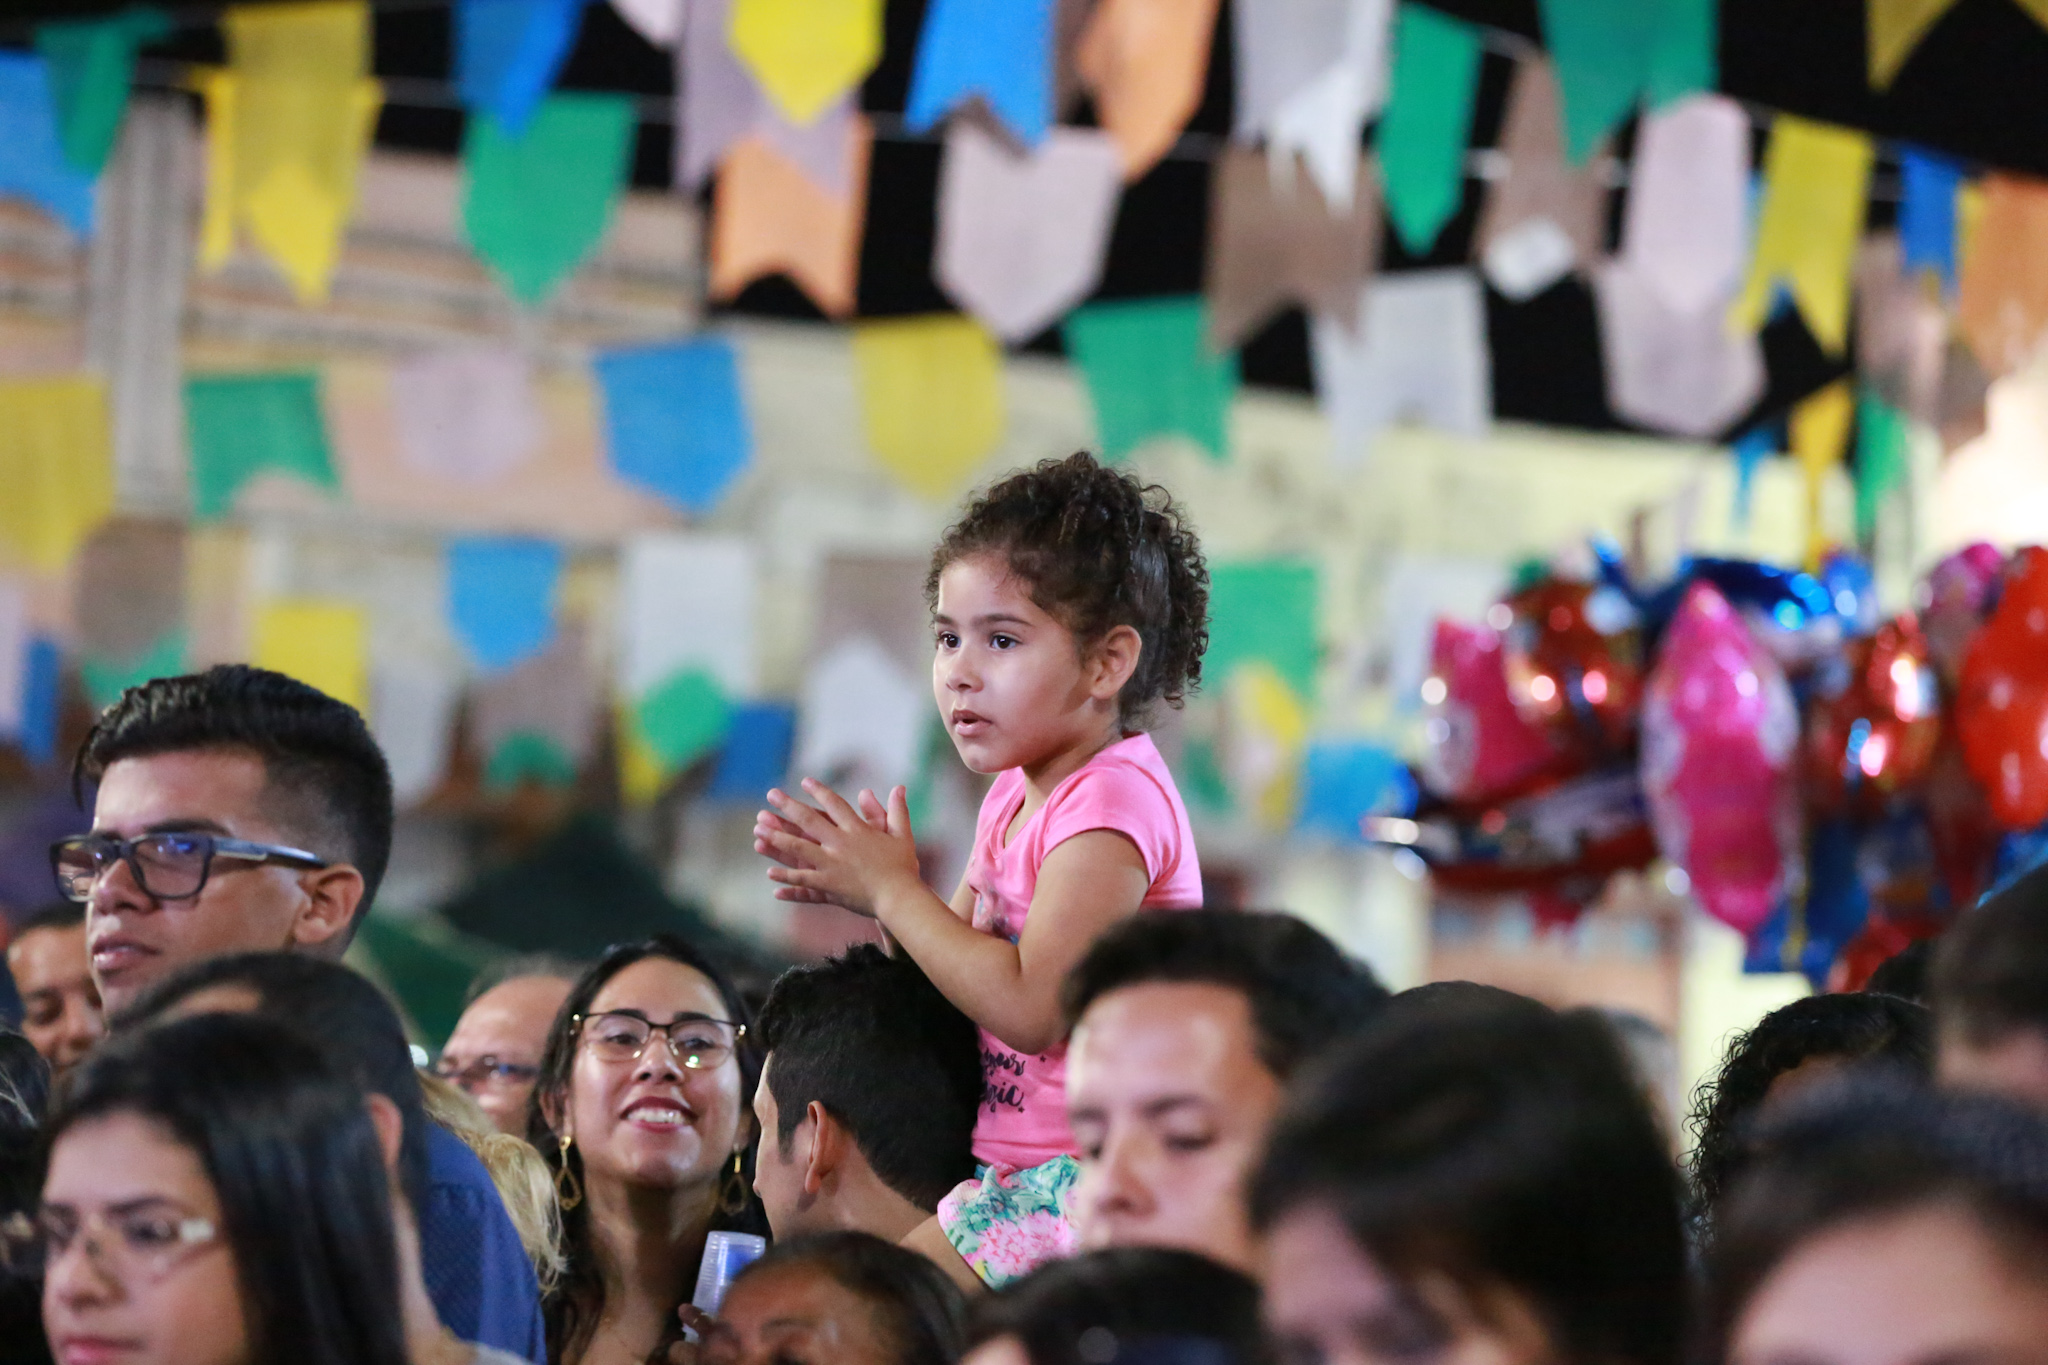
(1833, 784)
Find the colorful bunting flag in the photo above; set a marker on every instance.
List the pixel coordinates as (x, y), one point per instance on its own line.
(129, 597)
(1418, 352)
(241, 425)
(1686, 228)
(931, 399)
(1750, 450)
(1929, 185)
(1150, 373)
(468, 414)
(1611, 53)
(413, 702)
(675, 419)
(660, 22)
(56, 467)
(1022, 236)
(501, 597)
(1264, 611)
(320, 642)
(33, 163)
(807, 54)
(14, 646)
(687, 602)
(864, 718)
(1543, 218)
(2002, 304)
(1819, 433)
(1275, 239)
(758, 740)
(537, 720)
(1145, 62)
(106, 679)
(1322, 113)
(1815, 179)
(1901, 329)
(998, 50)
(682, 719)
(769, 217)
(1428, 122)
(91, 65)
(1669, 369)
(1883, 456)
(718, 103)
(1893, 29)
(534, 206)
(508, 53)
(42, 700)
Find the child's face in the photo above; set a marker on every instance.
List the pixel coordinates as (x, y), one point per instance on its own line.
(1010, 681)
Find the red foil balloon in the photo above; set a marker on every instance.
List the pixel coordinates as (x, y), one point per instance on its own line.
(1719, 761)
(2002, 698)
(1575, 663)
(1959, 592)
(1873, 732)
(1480, 747)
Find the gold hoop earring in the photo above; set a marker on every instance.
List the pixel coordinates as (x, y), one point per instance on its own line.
(732, 1197)
(568, 1189)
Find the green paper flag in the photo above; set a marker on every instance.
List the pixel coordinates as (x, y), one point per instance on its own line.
(1263, 611)
(1427, 123)
(1609, 53)
(1883, 454)
(107, 679)
(91, 64)
(242, 425)
(528, 756)
(683, 718)
(534, 206)
(1151, 373)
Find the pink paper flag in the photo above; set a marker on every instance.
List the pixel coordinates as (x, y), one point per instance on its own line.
(466, 414)
(1681, 372)
(1685, 232)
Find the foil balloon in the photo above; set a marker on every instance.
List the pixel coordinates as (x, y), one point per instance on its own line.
(2002, 697)
(1575, 663)
(1479, 746)
(1875, 720)
(1959, 822)
(1720, 743)
(1957, 596)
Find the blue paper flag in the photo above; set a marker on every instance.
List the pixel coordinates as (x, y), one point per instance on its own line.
(1342, 782)
(1000, 50)
(756, 754)
(501, 597)
(1752, 448)
(676, 420)
(32, 161)
(508, 53)
(41, 695)
(1927, 211)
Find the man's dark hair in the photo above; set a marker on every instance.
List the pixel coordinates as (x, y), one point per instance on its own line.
(1494, 1142)
(1905, 973)
(341, 1010)
(55, 915)
(923, 1313)
(867, 1036)
(327, 779)
(1127, 1303)
(292, 1155)
(1991, 970)
(1302, 990)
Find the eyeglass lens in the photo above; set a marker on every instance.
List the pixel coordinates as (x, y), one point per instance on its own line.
(169, 866)
(698, 1044)
(148, 1242)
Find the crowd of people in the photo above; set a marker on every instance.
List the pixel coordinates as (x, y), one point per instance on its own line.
(1063, 1116)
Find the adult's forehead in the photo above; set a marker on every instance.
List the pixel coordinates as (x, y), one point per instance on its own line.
(660, 982)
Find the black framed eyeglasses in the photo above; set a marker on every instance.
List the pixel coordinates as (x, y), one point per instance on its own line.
(168, 867)
(696, 1041)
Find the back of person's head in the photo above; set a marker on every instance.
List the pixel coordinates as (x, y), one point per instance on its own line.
(1823, 1032)
(1859, 1151)
(1906, 974)
(1127, 1304)
(1300, 987)
(921, 1315)
(871, 1039)
(24, 1088)
(294, 1158)
(338, 1008)
(1990, 976)
(1482, 1140)
(327, 780)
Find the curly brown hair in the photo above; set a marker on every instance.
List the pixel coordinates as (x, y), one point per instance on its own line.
(1099, 550)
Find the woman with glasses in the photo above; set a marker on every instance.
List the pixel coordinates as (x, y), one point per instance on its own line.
(643, 1108)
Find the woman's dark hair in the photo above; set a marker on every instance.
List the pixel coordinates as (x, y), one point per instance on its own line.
(923, 1312)
(573, 1307)
(1854, 1028)
(1127, 1304)
(295, 1162)
(1098, 550)
(1502, 1144)
(24, 1087)
(1860, 1147)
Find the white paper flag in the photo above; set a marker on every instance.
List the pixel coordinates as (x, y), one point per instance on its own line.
(718, 103)
(1668, 370)
(1309, 74)
(1685, 229)
(1021, 238)
(686, 601)
(864, 719)
(1419, 353)
(13, 656)
(466, 414)
(412, 715)
(658, 21)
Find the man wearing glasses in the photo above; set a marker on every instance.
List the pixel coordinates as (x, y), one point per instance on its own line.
(494, 1052)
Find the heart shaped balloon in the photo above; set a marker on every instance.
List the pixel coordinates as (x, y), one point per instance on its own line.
(2002, 697)
(1720, 743)
(1575, 663)
(1479, 746)
(1958, 594)
(1874, 722)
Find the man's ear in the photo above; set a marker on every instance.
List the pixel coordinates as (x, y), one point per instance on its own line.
(390, 1126)
(332, 895)
(829, 1142)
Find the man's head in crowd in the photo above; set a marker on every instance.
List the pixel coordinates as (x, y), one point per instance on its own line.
(1990, 994)
(868, 1100)
(1186, 1029)
(237, 810)
(60, 1006)
(494, 1052)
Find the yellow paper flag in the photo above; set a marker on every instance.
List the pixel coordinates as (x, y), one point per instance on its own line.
(1818, 434)
(931, 398)
(806, 53)
(640, 772)
(1270, 728)
(2037, 8)
(317, 641)
(1815, 176)
(56, 467)
(1894, 28)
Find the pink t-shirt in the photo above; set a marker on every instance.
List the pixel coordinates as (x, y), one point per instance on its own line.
(1125, 788)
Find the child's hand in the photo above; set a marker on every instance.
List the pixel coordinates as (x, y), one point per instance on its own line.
(834, 854)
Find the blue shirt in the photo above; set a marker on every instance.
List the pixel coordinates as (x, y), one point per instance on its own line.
(477, 1272)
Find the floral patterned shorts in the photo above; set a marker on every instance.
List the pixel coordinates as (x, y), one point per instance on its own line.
(1006, 1223)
